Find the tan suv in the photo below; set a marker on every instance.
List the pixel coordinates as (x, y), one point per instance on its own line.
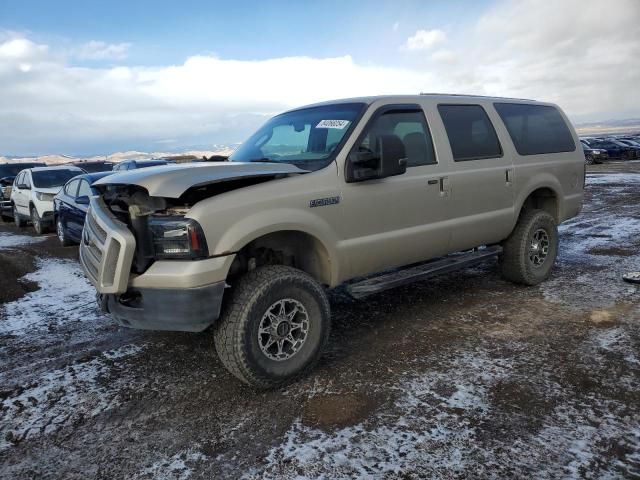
(384, 190)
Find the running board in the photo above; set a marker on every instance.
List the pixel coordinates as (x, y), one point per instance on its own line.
(408, 275)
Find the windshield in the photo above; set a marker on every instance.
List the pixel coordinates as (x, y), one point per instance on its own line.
(52, 178)
(307, 138)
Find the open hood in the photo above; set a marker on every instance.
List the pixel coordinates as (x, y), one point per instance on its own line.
(171, 181)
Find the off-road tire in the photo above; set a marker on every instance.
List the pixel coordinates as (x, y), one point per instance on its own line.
(515, 264)
(17, 218)
(36, 221)
(236, 332)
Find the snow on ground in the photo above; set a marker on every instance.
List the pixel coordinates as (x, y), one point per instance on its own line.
(63, 290)
(62, 397)
(599, 239)
(437, 426)
(613, 178)
(176, 467)
(9, 240)
(42, 397)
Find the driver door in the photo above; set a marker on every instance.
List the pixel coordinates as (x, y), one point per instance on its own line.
(397, 220)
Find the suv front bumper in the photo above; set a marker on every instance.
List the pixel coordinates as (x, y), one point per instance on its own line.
(185, 309)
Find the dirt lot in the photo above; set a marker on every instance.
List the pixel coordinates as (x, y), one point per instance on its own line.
(464, 376)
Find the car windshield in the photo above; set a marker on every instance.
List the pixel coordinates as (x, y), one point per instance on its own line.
(52, 178)
(307, 138)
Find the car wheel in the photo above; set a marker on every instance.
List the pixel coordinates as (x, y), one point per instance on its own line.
(588, 159)
(530, 251)
(36, 221)
(17, 218)
(62, 234)
(274, 327)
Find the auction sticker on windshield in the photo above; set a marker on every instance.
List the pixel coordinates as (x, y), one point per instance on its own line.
(340, 124)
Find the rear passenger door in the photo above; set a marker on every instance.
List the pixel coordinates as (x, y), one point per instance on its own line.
(480, 182)
(401, 219)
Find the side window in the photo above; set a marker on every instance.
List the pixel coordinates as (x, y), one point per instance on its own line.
(410, 126)
(471, 133)
(27, 179)
(18, 179)
(536, 129)
(85, 189)
(71, 188)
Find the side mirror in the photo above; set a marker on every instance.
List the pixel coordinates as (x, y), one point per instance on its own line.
(391, 160)
(83, 200)
(23, 186)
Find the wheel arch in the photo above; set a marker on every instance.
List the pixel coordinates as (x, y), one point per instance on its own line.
(295, 248)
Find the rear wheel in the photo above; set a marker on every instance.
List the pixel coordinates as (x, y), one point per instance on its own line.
(17, 218)
(531, 249)
(62, 233)
(36, 221)
(275, 326)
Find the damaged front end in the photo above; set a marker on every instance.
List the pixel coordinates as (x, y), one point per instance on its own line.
(149, 261)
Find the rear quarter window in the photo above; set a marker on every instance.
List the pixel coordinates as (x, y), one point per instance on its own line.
(536, 129)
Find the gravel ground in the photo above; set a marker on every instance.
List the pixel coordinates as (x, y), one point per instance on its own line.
(463, 376)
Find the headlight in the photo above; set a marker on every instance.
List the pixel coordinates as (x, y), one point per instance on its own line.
(45, 197)
(177, 238)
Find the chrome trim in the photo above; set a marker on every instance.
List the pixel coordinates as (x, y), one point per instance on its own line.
(106, 249)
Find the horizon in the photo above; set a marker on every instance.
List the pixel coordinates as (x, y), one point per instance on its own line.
(83, 80)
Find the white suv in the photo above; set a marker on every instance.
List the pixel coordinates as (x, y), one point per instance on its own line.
(33, 191)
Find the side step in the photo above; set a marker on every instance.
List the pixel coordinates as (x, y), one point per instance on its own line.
(408, 275)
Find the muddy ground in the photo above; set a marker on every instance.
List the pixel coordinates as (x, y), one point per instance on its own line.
(463, 376)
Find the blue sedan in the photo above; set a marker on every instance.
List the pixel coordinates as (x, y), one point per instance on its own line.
(70, 206)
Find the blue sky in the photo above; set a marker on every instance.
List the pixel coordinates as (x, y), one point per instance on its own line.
(166, 32)
(86, 78)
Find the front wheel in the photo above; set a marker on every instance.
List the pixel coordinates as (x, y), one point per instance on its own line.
(588, 159)
(530, 251)
(274, 327)
(62, 233)
(36, 221)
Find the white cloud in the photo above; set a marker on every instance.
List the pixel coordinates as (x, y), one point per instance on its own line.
(425, 39)
(571, 57)
(95, 50)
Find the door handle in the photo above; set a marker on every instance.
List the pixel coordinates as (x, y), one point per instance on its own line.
(445, 186)
(433, 182)
(508, 175)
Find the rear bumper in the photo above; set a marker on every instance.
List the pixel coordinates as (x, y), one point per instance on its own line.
(185, 309)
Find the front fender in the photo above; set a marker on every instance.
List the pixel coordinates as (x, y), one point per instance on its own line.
(258, 224)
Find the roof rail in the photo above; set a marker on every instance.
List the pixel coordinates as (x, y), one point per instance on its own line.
(479, 96)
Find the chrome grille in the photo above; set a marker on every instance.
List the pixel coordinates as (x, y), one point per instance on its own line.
(106, 249)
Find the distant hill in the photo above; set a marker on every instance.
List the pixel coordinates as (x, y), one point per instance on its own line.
(121, 156)
(627, 125)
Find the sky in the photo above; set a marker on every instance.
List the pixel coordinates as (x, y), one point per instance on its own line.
(89, 77)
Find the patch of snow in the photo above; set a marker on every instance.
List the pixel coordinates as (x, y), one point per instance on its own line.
(63, 296)
(176, 467)
(613, 178)
(62, 397)
(9, 240)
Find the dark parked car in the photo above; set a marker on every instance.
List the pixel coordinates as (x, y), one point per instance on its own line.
(95, 166)
(8, 172)
(70, 206)
(593, 155)
(133, 164)
(631, 142)
(614, 149)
